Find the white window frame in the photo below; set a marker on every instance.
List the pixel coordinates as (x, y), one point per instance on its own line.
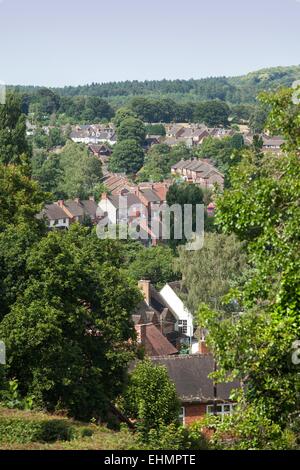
(181, 415)
(183, 326)
(222, 412)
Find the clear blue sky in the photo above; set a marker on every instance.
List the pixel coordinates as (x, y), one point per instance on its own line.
(70, 42)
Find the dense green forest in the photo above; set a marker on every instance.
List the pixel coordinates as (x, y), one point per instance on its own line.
(235, 90)
(209, 100)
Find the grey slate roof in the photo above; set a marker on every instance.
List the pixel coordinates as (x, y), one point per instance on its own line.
(74, 208)
(190, 373)
(150, 195)
(52, 212)
(132, 199)
(90, 207)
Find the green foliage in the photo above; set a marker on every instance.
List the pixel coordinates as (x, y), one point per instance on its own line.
(181, 194)
(127, 157)
(258, 119)
(46, 170)
(155, 264)
(54, 138)
(86, 432)
(10, 396)
(98, 190)
(14, 147)
(169, 437)
(20, 198)
(241, 112)
(48, 101)
(70, 325)
(86, 109)
(262, 208)
(81, 172)
(161, 110)
(213, 113)
(156, 129)
(69, 174)
(160, 158)
(224, 153)
(22, 431)
(154, 101)
(121, 114)
(150, 398)
(209, 273)
(284, 117)
(248, 428)
(131, 128)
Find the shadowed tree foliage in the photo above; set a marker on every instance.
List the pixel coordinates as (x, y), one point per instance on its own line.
(14, 147)
(127, 157)
(69, 335)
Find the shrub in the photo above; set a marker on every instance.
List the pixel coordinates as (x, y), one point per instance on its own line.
(168, 437)
(10, 396)
(86, 432)
(22, 431)
(150, 398)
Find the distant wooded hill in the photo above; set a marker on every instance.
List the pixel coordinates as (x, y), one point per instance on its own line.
(235, 90)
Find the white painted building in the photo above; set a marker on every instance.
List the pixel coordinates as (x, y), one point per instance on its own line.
(185, 318)
(122, 208)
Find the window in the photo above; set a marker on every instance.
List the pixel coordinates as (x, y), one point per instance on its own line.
(182, 324)
(222, 409)
(182, 415)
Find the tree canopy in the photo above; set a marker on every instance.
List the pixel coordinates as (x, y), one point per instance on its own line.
(127, 157)
(262, 208)
(14, 147)
(69, 334)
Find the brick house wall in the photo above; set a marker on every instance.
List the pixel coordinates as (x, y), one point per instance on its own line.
(193, 412)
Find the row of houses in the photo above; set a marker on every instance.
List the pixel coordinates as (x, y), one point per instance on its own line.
(125, 202)
(200, 172)
(193, 135)
(61, 214)
(135, 204)
(94, 134)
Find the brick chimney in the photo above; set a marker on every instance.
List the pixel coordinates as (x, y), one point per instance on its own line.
(91, 198)
(104, 196)
(144, 285)
(141, 333)
(203, 349)
(60, 203)
(77, 200)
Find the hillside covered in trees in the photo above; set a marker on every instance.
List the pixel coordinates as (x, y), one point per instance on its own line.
(235, 90)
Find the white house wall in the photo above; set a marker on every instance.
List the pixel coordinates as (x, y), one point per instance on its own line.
(176, 304)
